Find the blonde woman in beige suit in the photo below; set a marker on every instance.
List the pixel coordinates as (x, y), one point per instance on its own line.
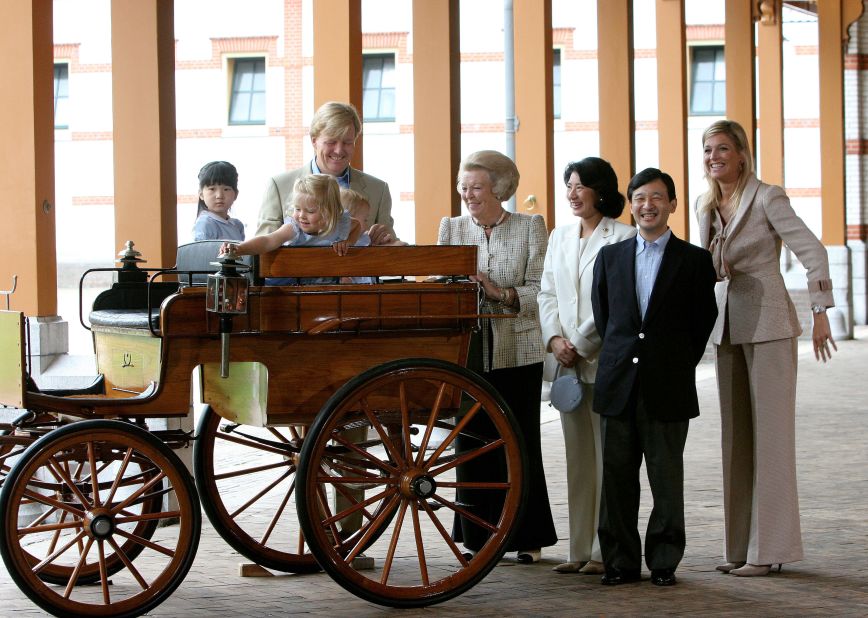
(572, 341)
(744, 222)
(512, 248)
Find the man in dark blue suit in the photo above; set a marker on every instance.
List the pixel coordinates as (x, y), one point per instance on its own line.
(654, 307)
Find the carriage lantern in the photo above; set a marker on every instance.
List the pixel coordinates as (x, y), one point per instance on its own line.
(227, 296)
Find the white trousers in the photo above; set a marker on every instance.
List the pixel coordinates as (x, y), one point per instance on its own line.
(584, 453)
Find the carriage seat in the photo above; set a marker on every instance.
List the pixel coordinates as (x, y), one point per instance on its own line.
(125, 304)
(199, 256)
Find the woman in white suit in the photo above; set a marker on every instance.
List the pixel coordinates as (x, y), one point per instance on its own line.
(572, 342)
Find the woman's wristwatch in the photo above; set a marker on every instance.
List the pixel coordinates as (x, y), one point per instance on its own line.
(818, 309)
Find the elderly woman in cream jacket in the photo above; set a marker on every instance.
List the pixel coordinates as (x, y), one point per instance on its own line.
(572, 342)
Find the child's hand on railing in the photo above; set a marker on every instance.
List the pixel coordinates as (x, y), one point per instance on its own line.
(340, 247)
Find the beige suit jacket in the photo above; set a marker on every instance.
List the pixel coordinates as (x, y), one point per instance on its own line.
(276, 203)
(512, 257)
(565, 292)
(752, 295)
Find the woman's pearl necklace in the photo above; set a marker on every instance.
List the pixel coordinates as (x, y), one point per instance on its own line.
(485, 226)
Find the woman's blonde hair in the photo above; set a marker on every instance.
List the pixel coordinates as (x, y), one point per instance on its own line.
(735, 132)
(324, 190)
(501, 170)
(334, 120)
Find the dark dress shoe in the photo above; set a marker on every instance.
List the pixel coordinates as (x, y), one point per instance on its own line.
(663, 577)
(614, 577)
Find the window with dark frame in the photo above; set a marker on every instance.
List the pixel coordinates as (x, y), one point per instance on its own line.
(378, 83)
(61, 96)
(556, 82)
(708, 80)
(247, 105)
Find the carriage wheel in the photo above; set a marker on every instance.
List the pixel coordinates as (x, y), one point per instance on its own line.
(412, 410)
(74, 502)
(246, 481)
(11, 448)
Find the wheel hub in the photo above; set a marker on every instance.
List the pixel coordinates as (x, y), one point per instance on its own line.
(423, 486)
(99, 525)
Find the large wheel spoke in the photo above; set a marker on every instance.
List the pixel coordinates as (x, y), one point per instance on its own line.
(166, 551)
(456, 431)
(432, 421)
(278, 513)
(73, 580)
(119, 552)
(66, 480)
(256, 497)
(137, 494)
(420, 544)
(384, 435)
(463, 458)
(373, 528)
(94, 477)
(465, 513)
(59, 552)
(360, 506)
(405, 421)
(49, 501)
(248, 471)
(120, 475)
(393, 543)
(376, 461)
(103, 573)
(452, 545)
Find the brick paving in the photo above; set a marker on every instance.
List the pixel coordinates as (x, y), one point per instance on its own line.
(832, 580)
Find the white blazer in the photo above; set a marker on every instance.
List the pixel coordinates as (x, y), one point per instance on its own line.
(565, 292)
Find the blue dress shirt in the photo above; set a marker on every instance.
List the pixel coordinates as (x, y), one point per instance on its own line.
(648, 258)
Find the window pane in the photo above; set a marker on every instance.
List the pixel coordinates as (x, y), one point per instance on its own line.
(387, 79)
(701, 99)
(248, 92)
(387, 104)
(259, 77)
(371, 104)
(374, 78)
(703, 69)
(245, 79)
(719, 97)
(257, 107)
(240, 107)
(378, 79)
(61, 95)
(708, 88)
(719, 66)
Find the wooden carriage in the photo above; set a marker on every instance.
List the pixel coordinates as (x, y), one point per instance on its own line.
(340, 429)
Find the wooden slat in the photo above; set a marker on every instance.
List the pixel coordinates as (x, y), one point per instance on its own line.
(459, 260)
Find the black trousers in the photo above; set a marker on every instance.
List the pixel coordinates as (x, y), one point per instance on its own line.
(520, 387)
(628, 438)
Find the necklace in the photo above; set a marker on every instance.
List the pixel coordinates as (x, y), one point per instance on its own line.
(485, 226)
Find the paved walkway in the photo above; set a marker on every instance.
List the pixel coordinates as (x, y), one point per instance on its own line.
(832, 580)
